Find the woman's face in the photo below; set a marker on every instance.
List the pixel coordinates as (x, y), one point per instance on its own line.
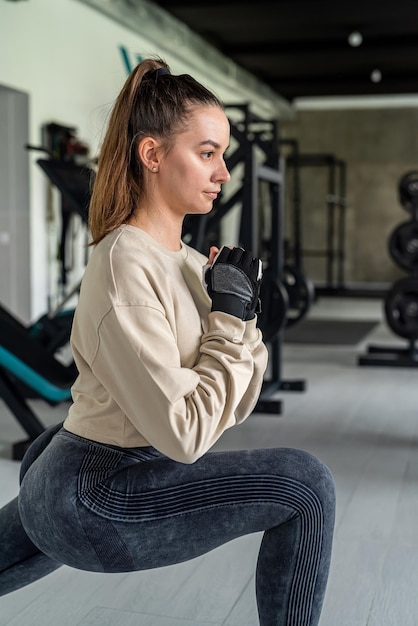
(191, 173)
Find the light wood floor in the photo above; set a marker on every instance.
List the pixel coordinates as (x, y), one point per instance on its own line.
(362, 421)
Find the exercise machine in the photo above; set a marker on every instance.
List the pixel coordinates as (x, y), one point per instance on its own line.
(30, 368)
(32, 363)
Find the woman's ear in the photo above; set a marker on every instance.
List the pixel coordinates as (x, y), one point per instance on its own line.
(148, 153)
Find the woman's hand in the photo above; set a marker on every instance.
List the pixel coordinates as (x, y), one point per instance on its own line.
(233, 281)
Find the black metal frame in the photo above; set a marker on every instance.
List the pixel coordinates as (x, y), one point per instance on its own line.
(334, 251)
(254, 135)
(387, 356)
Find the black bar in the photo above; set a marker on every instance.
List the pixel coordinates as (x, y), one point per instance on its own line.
(268, 406)
(18, 406)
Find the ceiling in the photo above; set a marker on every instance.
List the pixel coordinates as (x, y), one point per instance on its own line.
(300, 47)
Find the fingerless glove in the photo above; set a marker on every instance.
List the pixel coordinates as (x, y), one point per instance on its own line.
(233, 282)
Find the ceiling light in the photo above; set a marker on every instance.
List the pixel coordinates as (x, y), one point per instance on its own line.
(355, 39)
(376, 76)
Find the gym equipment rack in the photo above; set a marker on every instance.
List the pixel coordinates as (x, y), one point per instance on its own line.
(257, 153)
(401, 300)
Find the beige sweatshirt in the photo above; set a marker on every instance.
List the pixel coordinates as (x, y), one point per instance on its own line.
(156, 367)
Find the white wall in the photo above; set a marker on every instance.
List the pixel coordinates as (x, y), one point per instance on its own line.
(66, 56)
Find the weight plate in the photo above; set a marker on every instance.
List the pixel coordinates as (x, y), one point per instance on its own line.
(403, 245)
(274, 303)
(401, 308)
(408, 191)
(301, 293)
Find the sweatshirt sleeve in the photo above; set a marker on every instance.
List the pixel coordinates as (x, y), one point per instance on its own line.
(181, 411)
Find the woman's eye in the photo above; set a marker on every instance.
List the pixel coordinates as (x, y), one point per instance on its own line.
(207, 155)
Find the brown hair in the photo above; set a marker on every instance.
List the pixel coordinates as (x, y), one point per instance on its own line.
(150, 103)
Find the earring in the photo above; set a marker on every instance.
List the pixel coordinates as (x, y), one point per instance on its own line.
(154, 169)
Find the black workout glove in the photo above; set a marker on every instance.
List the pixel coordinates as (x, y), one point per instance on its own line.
(233, 282)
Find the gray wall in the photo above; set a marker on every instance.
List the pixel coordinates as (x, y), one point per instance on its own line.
(14, 204)
(378, 146)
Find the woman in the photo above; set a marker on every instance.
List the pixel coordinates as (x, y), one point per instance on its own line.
(168, 358)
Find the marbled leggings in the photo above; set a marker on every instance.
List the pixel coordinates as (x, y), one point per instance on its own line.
(106, 509)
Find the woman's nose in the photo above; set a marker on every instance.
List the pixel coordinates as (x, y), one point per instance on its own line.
(223, 174)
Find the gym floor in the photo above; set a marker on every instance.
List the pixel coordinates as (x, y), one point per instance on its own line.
(362, 421)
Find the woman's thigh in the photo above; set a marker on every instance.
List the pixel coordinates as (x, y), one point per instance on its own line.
(107, 509)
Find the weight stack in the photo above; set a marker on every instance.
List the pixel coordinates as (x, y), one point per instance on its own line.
(401, 300)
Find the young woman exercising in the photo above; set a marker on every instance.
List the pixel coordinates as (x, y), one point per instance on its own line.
(169, 357)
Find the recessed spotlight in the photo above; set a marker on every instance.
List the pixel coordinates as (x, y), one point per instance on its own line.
(376, 76)
(355, 39)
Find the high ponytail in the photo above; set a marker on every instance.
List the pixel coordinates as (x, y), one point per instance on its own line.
(152, 103)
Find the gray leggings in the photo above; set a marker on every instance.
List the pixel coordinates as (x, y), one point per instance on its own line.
(106, 509)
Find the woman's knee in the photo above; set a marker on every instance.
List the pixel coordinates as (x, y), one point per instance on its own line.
(307, 469)
(322, 484)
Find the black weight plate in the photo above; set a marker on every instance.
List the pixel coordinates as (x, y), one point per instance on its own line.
(408, 190)
(301, 293)
(274, 304)
(401, 308)
(403, 245)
